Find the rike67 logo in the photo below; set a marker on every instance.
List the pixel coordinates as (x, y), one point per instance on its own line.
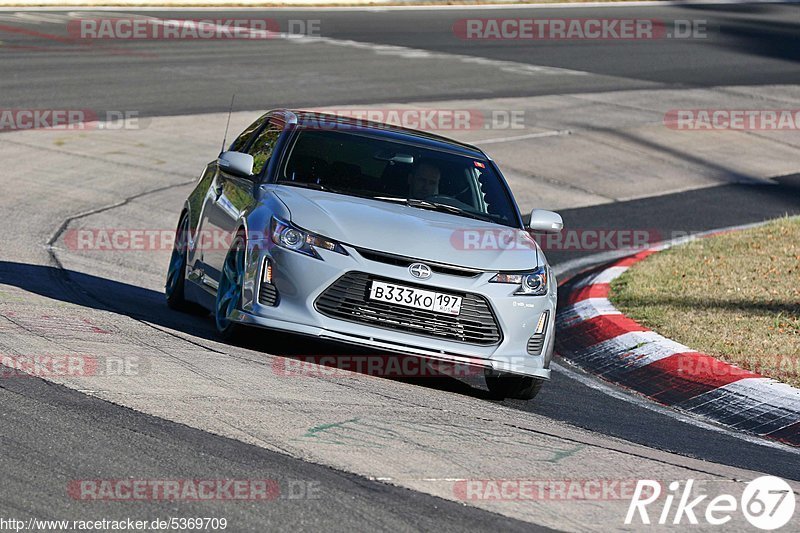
(767, 503)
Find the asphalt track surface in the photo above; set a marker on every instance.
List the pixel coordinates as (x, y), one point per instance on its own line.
(51, 434)
(744, 45)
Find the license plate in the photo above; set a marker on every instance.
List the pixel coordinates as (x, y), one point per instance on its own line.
(416, 298)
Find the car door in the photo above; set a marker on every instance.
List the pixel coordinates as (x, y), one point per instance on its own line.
(230, 196)
(211, 183)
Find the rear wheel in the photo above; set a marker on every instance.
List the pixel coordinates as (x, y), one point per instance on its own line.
(229, 292)
(512, 386)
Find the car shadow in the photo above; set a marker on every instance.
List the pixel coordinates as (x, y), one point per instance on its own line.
(147, 305)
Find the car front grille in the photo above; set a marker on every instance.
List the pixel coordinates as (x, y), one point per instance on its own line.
(347, 299)
(402, 261)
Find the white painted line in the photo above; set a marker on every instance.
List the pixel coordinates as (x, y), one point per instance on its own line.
(513, 67)
(406, 52)
(552, 133)
(590, 260)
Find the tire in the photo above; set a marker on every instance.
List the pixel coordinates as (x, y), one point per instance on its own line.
(176, 272)
(516, 387)
(229, 291)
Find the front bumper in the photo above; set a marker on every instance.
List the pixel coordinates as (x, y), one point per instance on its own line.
(300, 280)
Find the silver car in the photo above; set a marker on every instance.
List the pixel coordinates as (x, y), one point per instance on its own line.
(371, 235)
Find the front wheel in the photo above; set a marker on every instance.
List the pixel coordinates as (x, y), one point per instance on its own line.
(176, 273)
(229, 292)
(512, 386)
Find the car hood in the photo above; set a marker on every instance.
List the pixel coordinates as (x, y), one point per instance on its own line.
(410, 231)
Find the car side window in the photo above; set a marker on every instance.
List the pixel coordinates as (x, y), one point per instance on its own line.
(262, 147)
(241, 141)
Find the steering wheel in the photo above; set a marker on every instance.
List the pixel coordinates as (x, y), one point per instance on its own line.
(462, 191)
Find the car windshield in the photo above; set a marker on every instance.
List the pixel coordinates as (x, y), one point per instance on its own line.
(358, 164)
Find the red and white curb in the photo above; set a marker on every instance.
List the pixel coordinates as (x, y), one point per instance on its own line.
(596, 336)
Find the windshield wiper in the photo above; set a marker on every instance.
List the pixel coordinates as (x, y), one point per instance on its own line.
(447, 208)
(307, 185)
(435, 206)
(394, 199)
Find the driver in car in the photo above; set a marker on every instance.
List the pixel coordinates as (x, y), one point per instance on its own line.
(425, 180)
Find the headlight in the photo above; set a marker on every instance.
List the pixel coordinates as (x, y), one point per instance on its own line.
(288, 236)
(532, 283)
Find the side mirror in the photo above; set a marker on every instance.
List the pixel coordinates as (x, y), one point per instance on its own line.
(236, 163)
(545, 221)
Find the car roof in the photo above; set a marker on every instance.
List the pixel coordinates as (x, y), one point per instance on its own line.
(398, 133)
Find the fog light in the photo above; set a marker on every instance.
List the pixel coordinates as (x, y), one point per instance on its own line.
(267, 292)
(542, 323)
(266, 273)
(536, 342)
